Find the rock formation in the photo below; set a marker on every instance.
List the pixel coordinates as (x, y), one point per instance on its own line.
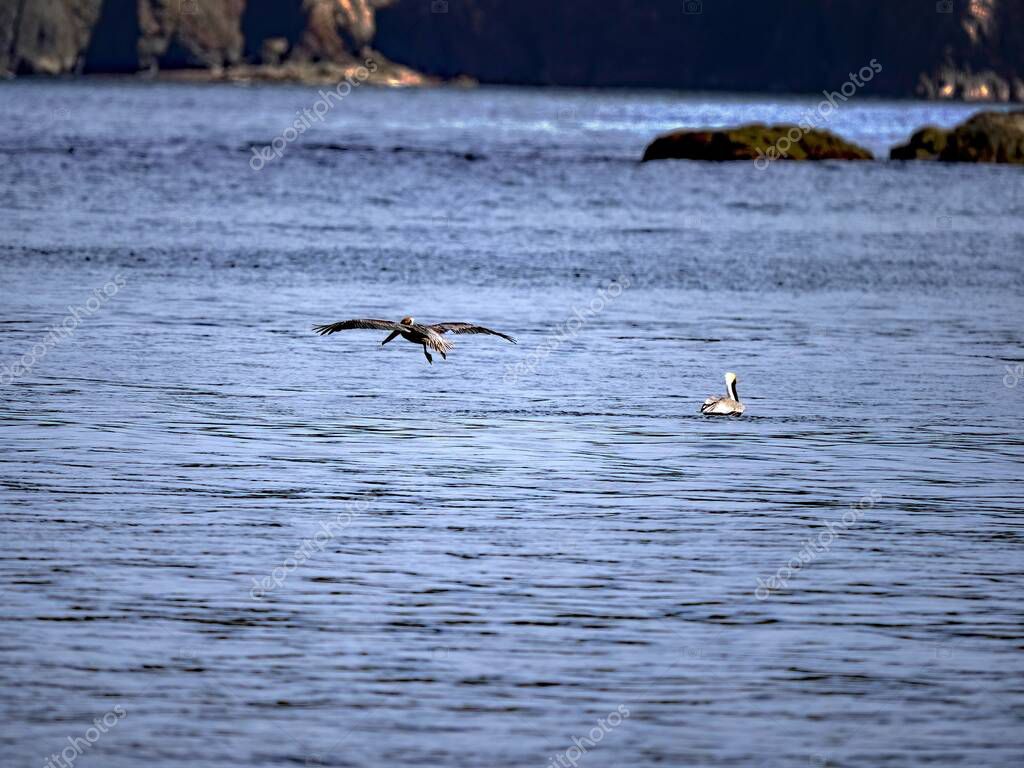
(176, 34)
(926, 144)
(987, 137)
(315, 40)
(955, 49)
(939, 49)
(45, 37)
(761, 143)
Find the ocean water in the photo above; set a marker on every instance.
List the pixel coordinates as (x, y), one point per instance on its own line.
(241, 542)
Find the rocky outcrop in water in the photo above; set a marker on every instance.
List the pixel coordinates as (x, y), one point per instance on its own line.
(987, 137)
(926, 144)
(758, 142)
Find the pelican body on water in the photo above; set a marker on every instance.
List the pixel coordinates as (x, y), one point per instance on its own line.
(724, 405)
(431, 337)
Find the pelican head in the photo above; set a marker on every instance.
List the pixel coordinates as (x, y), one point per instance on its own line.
(730, 385)
(406, 320)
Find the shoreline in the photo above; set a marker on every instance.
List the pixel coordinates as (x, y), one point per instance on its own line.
(391, 75)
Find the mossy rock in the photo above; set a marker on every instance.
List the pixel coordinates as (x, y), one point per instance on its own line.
(987, 137)
(756, 141)
(926, 144)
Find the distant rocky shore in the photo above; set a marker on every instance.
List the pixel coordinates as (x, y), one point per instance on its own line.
(306, 41)
(385, 74)
(960, 50)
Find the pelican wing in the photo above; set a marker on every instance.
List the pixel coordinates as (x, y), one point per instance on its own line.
(468, 328)
(349, 325)
(722, 406)
(709, 403)
(435, 340)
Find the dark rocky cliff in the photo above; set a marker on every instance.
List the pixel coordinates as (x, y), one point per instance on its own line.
(934, 48)
(975, 50)
(122, 36)
(45, 36)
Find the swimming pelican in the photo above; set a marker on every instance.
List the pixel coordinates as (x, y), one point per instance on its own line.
(728, 404)
(430, 336)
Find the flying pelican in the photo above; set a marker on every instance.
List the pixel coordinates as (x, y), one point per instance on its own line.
(430, 336)
(726, 405)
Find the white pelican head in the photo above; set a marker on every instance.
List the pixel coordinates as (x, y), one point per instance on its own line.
(730, 385)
